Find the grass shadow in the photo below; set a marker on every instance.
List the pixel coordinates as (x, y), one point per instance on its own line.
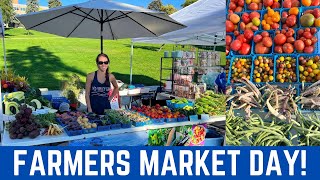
(40, 67)
(136, 79)
(149, 48)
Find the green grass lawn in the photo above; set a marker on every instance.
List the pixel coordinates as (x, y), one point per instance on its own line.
(47, 59)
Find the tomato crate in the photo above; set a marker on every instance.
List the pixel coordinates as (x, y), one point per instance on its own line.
(231, 71)
(307, 56)
(232, 38)
(300, 4)
(271, 68)
(262, 18)
(246, 6)
(249, 12)
(315, 46)
(297, 16)
(271, 35)
(301, 13)
(158, 121)
(296, 68)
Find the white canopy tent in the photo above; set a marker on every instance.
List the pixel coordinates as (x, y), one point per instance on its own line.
(205, 21)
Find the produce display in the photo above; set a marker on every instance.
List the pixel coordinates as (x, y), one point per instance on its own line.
(273, 90)
(309, 68)
(263, 42)
(53, 130)
(284, 31)
(24, 125)
(241, 67)
(271, 113)
(286, 69)
(211, 103)
(263, 69)
(284, 41)
(310, 96)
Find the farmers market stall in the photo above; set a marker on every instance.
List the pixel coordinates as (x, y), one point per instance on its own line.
(273, 72)
(29, 122)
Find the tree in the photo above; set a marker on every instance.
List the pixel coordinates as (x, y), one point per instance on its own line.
(187, 3)
(54, 3)
(7, 11)
(32, 6)
(155, 5)
(169, 9)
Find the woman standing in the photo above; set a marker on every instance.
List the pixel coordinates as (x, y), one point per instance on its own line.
(98, 85)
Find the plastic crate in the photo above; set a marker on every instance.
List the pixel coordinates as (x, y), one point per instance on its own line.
(138, 124)
(169, 104)
(287, 55)
(302, 9)
(305, 55)
(89, 130)
(158, 121)
(115, 126)
(272, 68)
(194, 118)
(73, 133)
(271, 34)
(315, 46)
(227, 7)
(205, 117)
(212, 138)
(298, 17)
(298, 7)
(232, 60)
(248, 10)
(259, 27)
(56, 101)
(181, 119)
(266, 11)
(104, 128)
(47, 97)
(126, 125)
(170, 120)
(232, 38)
(178, 106)
(60, 122)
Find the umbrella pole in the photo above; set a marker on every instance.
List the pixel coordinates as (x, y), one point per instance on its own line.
(131, 57)
(101, 30)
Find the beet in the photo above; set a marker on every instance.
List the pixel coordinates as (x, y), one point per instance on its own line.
(34, 134)
(13, 136)
(28, 111)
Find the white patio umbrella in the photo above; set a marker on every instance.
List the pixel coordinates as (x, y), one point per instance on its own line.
(104, 19)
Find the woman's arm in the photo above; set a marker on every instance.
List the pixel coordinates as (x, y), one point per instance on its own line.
(88, 86)
(115, 86)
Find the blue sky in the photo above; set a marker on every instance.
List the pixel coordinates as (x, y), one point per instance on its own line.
(143, 3)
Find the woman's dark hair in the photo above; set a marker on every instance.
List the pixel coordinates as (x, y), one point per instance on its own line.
(107, 71)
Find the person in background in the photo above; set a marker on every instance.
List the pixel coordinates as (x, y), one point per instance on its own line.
(98, 85)
(221, 82)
